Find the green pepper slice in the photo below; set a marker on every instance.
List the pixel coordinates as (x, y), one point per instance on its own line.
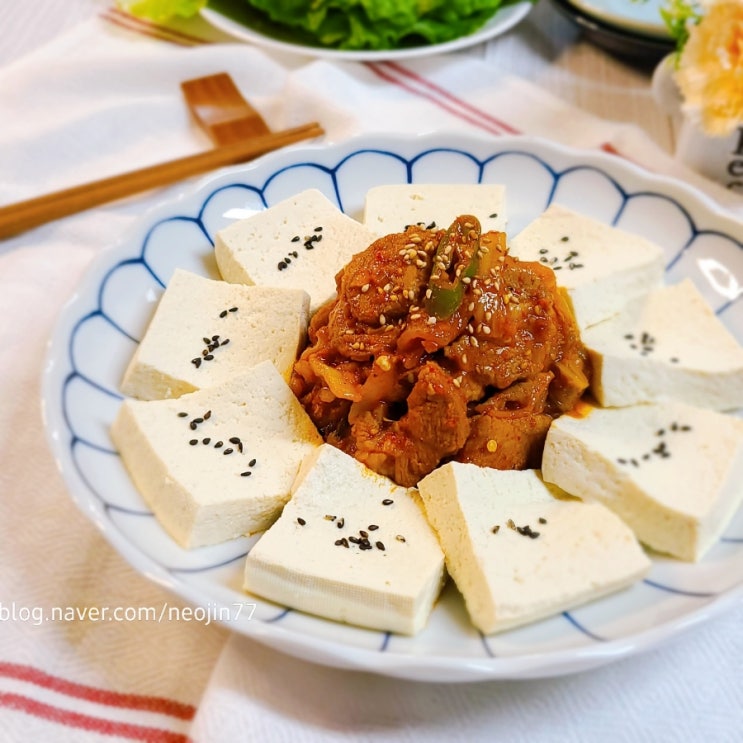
(457, 258)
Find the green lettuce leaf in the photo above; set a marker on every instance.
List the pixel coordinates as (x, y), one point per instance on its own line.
(380, 24)
(161, 10)
(342, 24)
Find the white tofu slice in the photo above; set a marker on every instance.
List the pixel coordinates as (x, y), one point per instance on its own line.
(602, 267)
(392, 208)
(671, 471)
(217, 463)
(299, 243)
(316, 557)
(520, 550)
(204, 332)
(671, 345)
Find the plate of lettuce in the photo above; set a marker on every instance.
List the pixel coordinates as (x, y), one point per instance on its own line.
(365, 29)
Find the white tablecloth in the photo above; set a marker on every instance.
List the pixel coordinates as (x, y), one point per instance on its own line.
(82, 102)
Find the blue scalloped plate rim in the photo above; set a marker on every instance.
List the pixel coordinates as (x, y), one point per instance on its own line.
(99, 327)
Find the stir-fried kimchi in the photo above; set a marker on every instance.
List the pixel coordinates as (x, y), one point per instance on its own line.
(441, 346)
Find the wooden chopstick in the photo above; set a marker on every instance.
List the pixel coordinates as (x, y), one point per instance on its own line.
(24, 215)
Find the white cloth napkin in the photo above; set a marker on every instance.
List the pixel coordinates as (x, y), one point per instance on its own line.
(103, 98)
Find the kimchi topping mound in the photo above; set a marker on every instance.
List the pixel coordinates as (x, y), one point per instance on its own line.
(441, 346)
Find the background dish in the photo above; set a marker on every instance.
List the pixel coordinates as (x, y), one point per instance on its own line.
(638, 16)
(621, 38)
(99, 328)
(240, 21)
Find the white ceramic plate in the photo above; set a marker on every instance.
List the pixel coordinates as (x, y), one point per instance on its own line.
(99, 329)
(632, 16)
(237, 23)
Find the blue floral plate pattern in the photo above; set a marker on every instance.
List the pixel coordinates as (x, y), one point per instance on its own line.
(101, 325)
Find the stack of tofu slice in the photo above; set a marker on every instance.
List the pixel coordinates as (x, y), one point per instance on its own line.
(654, 461)
(659, 447)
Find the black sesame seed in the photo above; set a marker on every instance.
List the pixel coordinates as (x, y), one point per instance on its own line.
(564, 239)
(219, 445)
(196, 362)
(227, 451)
(281, 265)
(372, 527)
(207, 415)
(182, 415)
(543, 251)
(251, 463)
(295, 239)
(493, 215)
(542, 520)
(354, 540)
(247, 473)
(387, 502)
(206, 440)
(340, 523)
(206, 340)
(193, 442)
(379, 545)
(318, 229)
(301, 521)
(364, 534)
(223, 313)
(234, 440)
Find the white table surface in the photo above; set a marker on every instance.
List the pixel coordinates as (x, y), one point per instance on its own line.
(677, 693)
(546, 48)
